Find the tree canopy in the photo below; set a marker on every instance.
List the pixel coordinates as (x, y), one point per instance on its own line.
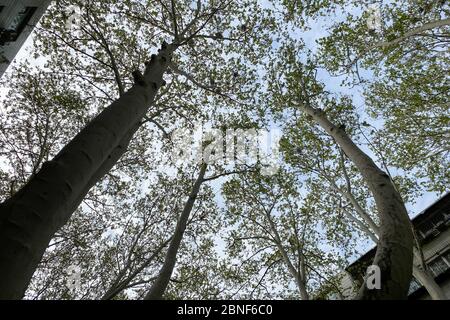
(363, 117)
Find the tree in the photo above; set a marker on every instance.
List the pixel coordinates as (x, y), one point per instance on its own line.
(40, 113)
(341, 181)
(50, 197)
(394, 252)
(277, 235)
(45, 203)
(110, 203)
(162, 280)
(401, 69)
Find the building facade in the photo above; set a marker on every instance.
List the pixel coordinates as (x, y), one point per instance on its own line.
(17, 20)
(432, 228)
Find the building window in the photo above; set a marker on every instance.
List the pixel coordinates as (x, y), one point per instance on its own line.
(414, 286)
(13, 31)
(438, 266)
(22, 19)
(446, 257)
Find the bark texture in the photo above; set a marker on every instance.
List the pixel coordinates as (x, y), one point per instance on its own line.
(433, 289)
(30, 218)
(394, 255)
(420, 272)
(158, 288)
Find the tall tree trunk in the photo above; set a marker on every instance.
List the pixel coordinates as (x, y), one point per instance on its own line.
(301, 282)
(419, 267)
(427, 280)
(394, 255)
(159, 286)
(30, 218)
(423, 276)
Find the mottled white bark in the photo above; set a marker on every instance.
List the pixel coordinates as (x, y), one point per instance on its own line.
(394, 255)
(29, 219)
(419, 267)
